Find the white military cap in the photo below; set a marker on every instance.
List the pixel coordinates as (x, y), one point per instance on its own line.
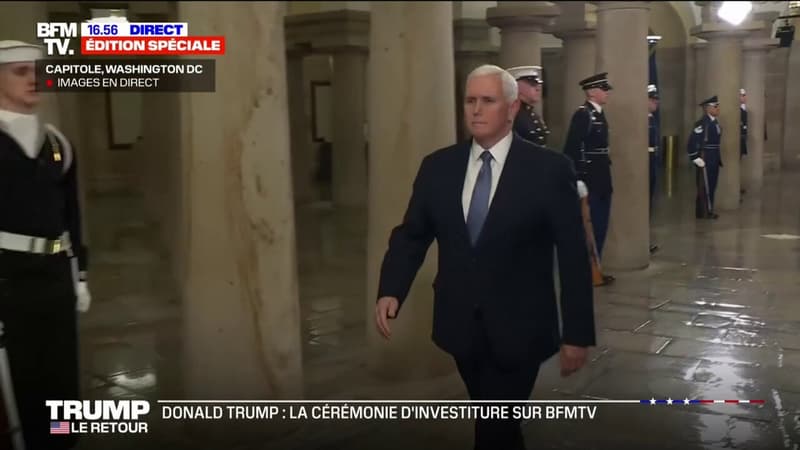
(528, 73)
(742, 91)
(17, 51)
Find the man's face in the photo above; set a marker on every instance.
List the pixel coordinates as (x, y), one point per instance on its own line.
(712, 110)
(742, 98)
(652, 104)
(18, 85)
(598, 95)
(530, 93)
(487, 113)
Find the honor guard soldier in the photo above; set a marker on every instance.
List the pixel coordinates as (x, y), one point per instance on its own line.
(704, 151)
(654, 135)
(42, 259)
(742, 126)
(528, 124)
(587, 146)
(743, 122)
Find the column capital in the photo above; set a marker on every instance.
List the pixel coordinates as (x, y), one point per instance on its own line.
(588, 30)
(532, 16)
(328, 32)
(716, 30)
(756, 44)
(472, 36)
(608, 6)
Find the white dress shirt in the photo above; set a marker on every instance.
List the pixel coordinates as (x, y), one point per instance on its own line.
(25, 129)
(596, 106)
(499, 153)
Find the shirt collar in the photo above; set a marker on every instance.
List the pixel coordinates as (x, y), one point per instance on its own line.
(713, 119)
(499, 151)
(596, 106)
(743, 106)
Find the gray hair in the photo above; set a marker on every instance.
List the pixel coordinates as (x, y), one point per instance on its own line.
(510, 89)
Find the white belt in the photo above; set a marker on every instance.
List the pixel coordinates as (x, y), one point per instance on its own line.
(651, 149)
(32, 244)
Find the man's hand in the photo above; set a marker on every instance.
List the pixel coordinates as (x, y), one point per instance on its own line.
(699, 162)
(572, 359)
(385, 309)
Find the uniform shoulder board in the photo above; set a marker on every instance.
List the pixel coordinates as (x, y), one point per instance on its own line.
(66, 146)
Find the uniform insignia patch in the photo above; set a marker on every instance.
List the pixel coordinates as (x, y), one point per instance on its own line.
(699, 129)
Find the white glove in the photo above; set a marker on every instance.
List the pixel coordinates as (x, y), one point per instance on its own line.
(84, 298)
(583, 191)
(699, 162)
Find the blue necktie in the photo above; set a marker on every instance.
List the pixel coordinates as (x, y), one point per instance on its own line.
(479, 205)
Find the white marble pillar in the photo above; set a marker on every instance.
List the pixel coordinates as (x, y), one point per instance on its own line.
(411, 97)
(625, 25)
(300, 123)
(473, 48)
(790, 153)
(349, 152)
(724, 79)
(521, 26)
(753, 81)
(579, 59)
(240, 296)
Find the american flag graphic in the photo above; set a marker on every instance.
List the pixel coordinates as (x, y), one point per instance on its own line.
(59, 427)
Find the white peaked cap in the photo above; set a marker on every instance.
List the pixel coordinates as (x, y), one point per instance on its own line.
(17, 51)
(526, 72)
(742, 91)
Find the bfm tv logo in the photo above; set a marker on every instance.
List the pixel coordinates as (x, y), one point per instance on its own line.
(97, 416)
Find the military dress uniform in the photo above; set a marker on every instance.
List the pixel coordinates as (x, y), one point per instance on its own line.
(528, 124)
(587, 146)
(43, 264)
(743, 130)
(704, 143)
(653, 138)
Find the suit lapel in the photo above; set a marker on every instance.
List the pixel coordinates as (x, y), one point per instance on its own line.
(457, 189)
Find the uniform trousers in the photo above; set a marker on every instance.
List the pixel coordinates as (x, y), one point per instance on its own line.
(37, 307)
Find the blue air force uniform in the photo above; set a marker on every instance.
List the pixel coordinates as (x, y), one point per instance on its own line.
(743, 131)
(704, 143)
(587, 146)
(528, 124)
(653, 138)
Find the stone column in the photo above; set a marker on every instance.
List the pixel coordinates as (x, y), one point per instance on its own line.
(777, 63)
(300, 123)
(579, 59)
(753, 81)
(343, 33)
(472, 49)
(409, 120)
(790, 153)
(521, 25)
(624, 25)
(725, 80)
(349, 151)
(240, 298)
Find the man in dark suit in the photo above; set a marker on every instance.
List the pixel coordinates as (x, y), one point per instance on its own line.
(497, 206)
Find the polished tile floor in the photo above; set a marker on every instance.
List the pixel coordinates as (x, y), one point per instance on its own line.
(715, 316)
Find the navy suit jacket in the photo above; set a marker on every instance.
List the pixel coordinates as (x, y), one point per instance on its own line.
(509, 274)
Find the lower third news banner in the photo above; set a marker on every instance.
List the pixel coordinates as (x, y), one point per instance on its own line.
(126, 74)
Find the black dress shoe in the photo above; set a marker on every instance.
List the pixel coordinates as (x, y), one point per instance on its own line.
(713, 216)
(608, 279)
(653, 249)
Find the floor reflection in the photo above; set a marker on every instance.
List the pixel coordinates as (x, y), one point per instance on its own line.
(715, 316)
